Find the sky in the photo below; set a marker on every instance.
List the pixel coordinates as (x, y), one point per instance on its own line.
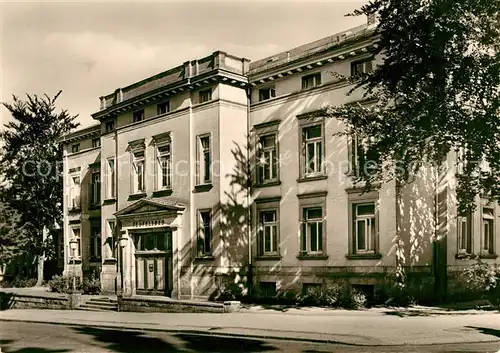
(88, 49)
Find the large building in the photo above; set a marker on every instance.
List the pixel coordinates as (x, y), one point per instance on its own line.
(218, 172)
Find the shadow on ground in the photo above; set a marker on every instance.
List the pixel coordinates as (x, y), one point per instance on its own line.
(129, 341)
(486, 331)
(4, 347)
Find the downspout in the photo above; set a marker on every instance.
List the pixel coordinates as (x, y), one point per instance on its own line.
(249, 196)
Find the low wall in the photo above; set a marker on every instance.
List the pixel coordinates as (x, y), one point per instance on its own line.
(12, 300)
(166, 305)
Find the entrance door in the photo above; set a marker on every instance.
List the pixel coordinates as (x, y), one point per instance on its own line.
(154, 263)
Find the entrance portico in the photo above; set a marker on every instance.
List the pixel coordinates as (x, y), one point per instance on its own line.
(150, 237)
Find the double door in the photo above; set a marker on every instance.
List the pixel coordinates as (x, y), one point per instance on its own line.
(154, 263)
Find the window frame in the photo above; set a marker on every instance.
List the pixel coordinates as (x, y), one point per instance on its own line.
(95, 242)
(111, 178)
(491, 221)
(111, 226)
(316, 80)
(205, 95)
(202, 178)
(357, 197)
(201, 235)
(109, 126)
(165, 104)
(468, 219)
(96, 142)
(78, 250)
(363, 62)
(138, 157)
(274, 245)
(274, 166)
(75, 148)
(138, 115)
(95, 188)
(271, 93)
(304, 124)
(309, 202)
(371, 241)
(75, 192)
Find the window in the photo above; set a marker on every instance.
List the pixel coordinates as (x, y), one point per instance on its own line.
(267, 159)
(138, 115)
(312, 231)
(464, 234)
(311, 81)
(364, 228)
(312, 152)
(205, 95)
(75, 148)
(363, 161)
(361, 67)
(96, 142)
(112, 238)
(266, 93)
(488, 231)
(76, 235)
(268, 231)
(111, 182)
(461, 160)
(267, 289)
(163, 108)
(95, 242)
(204, 233)
(164, 166)
(138, 171)
(158, 241)
(75, 193)
(95, 189)
(110, 125)
(204, 160)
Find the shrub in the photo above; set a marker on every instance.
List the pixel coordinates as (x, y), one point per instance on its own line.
(19, 282)
(91, 284)
(62, 284)
(481, 277)
(333, 295)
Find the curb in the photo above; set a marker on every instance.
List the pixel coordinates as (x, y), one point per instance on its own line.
(207, 332)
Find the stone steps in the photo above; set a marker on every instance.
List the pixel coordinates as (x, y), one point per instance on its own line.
(100, 304)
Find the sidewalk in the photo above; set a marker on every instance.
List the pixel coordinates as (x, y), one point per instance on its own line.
(369, 327)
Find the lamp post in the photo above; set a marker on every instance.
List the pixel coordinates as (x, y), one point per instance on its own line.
(123, 243)
(73, 244)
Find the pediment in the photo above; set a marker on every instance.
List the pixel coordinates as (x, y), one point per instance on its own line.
(145, 206)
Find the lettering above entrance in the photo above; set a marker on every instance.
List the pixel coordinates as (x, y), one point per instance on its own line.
(147, 213)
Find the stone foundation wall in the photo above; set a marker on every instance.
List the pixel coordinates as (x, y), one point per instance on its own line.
(9, 300)
(162, 304)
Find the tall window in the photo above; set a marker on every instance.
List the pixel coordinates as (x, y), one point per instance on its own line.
(204, 233)
(138, 115)
(205, 160)
(268, 159)
(464, 234)
(364, 228)
(361, 67)
(95, 189)
(110, 125)
(111, 181)
(312, 152)
(96, 142)
(75, 193)
(138, 171)
(75, 148)
(266, 93)
(362, 162)
(165, 166)
(76, 235)
(95, 242)
(205, 95)
(268, 232)
(112, 238)
(312, 231)
(488, 231)
(310, 81)
(163, 108)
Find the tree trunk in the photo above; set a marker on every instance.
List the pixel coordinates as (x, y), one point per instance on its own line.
(41, 259)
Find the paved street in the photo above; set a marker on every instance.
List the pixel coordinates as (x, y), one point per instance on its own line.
(21, 337)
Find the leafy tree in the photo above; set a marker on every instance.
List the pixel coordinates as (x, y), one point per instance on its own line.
(31, 164)
(12, 236)
(436, 91)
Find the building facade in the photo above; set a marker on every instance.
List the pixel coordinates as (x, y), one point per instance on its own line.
(220, 173)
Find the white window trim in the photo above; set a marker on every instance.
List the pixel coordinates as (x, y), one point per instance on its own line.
(275, 233)
(135, 162)
(372, 238)
(319, 222)
(78, 250)
(319, 170)
(159, 174)
(97, 244)
(111, 178)
(201, 180)
(261, 164)
(488, 219)
(75, 191)
(201, 233)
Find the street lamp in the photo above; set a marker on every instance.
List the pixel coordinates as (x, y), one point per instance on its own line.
(123, 243)
(73, 244)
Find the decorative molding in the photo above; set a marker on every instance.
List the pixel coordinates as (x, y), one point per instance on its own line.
(312, 178)
(268, 199)
(267, 124)
(375, 256)
(267, 185)
(202, 188)
(312, 195)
